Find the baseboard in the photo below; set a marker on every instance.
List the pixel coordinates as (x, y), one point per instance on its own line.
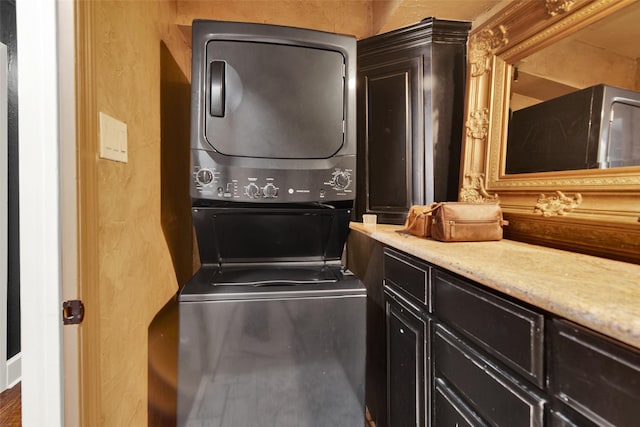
(14, 370)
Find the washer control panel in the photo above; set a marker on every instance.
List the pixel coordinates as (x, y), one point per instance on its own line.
(218, 182)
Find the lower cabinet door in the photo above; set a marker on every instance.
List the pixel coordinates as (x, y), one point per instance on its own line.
(594, 375)
(497, 397)
(407, 364)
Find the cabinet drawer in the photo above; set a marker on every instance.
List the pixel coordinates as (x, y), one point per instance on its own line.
(407, 274)
(449, 410)
(495, 396)
(564, 417)
(510, 332)
(597, 377)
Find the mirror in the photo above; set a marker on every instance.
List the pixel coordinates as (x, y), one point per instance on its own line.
(575, 104)
(591, 210)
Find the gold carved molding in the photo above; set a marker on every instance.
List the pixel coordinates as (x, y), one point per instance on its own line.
(558, 204)
(555, 7)
(473, 190)
(482, 46)
(478, 124)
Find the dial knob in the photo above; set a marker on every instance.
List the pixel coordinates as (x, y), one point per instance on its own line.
(341, 180)
(270, 191)
(204, 176)
(252, 191)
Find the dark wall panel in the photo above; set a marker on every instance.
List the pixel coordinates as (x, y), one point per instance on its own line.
(8, 37)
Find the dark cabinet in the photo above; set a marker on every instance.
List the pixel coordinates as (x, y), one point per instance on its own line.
(561, 415)
(364, 257)
(458, 353)
(511, 333)
(486, 387)
(483, 345)
(410, 95)
(450, 410)
(406, 289)
(407, 347)
(407, 276)
(594, 375)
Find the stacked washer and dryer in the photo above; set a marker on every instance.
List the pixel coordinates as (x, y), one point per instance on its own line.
(272, 327)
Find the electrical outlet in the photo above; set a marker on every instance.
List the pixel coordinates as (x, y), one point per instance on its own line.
(113, 139)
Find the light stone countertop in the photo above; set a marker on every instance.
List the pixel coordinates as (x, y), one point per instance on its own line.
(601, 294)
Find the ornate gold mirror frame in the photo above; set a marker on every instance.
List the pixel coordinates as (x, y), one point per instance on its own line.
(594, 211)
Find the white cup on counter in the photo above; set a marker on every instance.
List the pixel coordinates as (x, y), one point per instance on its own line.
(369, 220)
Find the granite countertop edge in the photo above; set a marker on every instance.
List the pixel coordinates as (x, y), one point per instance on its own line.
(598, 293)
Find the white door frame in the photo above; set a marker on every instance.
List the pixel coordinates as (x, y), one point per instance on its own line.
(68, 205)
(40, 236)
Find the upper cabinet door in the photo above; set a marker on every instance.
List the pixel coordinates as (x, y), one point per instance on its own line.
(387, 141)
(410, 102)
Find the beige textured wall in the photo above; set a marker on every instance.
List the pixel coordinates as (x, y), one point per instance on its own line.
(381, 12)
(141, 229)
(392, 14)
(339, 16)
(580, 65)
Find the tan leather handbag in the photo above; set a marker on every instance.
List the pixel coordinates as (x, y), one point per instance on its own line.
(467, 222)
(418, 220)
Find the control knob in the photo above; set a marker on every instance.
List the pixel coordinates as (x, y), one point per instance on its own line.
(204, 176)
(252, 191)
(270, 191)
(341, 180)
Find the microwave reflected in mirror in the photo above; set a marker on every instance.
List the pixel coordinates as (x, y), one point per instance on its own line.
(594, 128)
(575, 104)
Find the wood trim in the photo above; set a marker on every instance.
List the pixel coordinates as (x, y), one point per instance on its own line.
(87, 190)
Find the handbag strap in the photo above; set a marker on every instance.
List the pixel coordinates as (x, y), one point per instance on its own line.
(432, 207)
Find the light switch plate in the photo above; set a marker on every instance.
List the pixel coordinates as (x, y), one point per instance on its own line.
(113, 139)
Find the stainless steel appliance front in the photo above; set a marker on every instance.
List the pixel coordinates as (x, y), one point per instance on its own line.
(272, 354)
